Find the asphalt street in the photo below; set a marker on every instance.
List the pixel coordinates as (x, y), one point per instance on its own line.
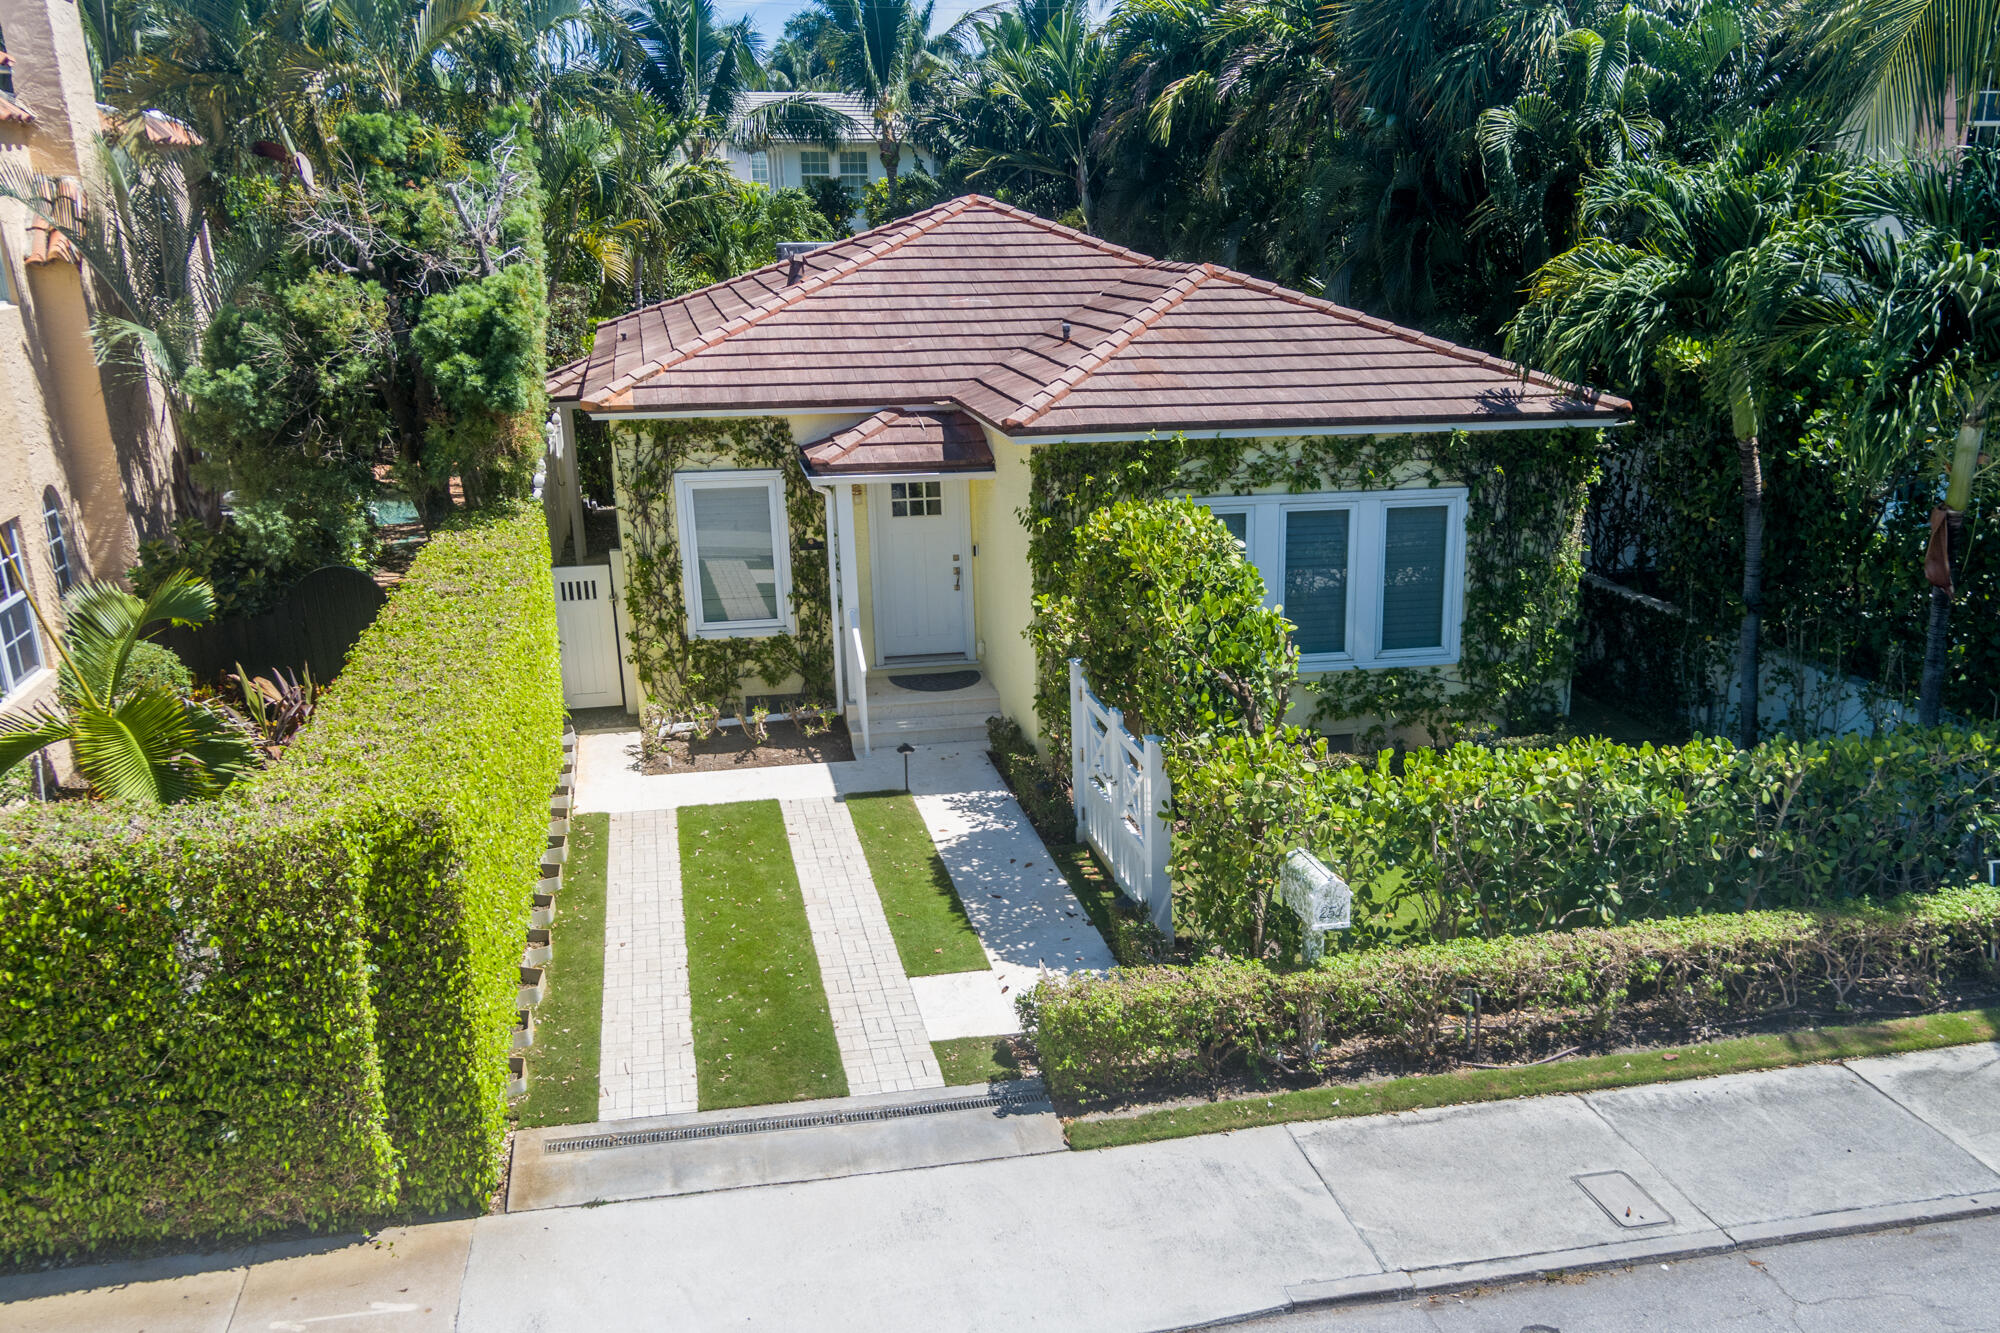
(1914, 1280)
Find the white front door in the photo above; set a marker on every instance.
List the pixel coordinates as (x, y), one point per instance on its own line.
(587, 628)
(920, 569)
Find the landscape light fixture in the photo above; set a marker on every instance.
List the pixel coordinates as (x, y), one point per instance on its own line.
(906, 750)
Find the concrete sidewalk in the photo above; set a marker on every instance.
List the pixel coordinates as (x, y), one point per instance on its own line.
(1157, 1236)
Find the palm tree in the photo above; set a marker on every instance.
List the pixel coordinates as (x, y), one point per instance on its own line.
(885, 51)
(1053, 82)
(1924, 295)
(1900, 70)
(1691, 281)
(133, 742)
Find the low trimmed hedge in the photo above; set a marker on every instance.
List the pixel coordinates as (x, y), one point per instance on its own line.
(292, 1007)
(1492, 840)
(1142, 1029)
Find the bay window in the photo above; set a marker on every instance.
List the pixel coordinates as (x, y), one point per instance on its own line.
(735, 556)
(1368, 578)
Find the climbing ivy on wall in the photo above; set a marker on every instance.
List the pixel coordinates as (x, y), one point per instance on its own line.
(1526, 491)
(679, 671)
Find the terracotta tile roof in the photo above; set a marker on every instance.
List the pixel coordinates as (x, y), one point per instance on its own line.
(902, 442)
(1043, 331)
(47, 244)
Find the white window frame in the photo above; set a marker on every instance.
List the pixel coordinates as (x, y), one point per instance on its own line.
(685, 485)
(55, 527)
(760, 166)
(1983, 129)
(858, 179)
(15, 569)
(827, 162)
(1367, 531)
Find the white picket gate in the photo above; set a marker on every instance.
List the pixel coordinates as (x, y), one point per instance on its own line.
(1120, 787)
(587, 627)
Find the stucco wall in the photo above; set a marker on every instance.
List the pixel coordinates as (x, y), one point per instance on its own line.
(90, 435)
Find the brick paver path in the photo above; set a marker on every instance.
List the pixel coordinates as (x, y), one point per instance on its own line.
(646, 1061)
(875, 1020)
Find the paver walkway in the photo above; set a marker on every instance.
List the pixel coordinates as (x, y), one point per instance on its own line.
(875, 1019)
(646, 1060)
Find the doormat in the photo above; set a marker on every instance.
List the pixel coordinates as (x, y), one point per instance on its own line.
(937, 682)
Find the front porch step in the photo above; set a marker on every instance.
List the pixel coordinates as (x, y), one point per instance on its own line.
(899, 730)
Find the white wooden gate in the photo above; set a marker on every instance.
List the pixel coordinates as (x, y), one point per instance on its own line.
(587, 623)
(1120, 787)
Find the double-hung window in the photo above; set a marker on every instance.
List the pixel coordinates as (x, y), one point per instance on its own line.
(813, 162)
(20, 649)
(56, 527)
(854, 172)
(1368, 578)
(760, 167)
(735, 561)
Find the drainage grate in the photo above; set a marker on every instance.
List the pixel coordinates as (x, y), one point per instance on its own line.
(1000, 1101)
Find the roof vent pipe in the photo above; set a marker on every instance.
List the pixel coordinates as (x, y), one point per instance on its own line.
(794, 253)
(1065, 330)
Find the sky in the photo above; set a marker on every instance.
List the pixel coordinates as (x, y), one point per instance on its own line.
(770, 15)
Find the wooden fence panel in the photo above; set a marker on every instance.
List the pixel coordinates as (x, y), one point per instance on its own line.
(315, 627)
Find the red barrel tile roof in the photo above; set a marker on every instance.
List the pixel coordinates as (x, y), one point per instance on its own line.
(1045, 332)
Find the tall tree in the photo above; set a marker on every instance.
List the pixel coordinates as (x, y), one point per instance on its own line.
(1901, 70)
(1689, 282)
(885, 51)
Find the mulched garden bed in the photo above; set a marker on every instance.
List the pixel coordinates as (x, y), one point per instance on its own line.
(728, 748)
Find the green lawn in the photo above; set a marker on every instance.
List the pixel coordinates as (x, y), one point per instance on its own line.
(932, 933)
(1735, 1056)
(977, 1060)
(762, 1032)
(562, 1066)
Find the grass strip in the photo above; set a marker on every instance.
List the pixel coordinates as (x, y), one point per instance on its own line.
(562, 1065)
(1737, 1055)
(977, 1060)
(762, 1032)
(933, 935)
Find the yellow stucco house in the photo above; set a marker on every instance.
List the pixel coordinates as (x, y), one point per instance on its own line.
(832, 472)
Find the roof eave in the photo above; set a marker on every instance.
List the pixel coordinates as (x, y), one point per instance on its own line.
(1270, 430)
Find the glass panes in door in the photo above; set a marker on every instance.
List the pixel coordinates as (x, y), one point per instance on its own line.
(916, 499)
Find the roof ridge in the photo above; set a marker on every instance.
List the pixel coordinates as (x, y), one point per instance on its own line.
(1429, 342)
(783, 298)
(1107, 347)
(1048, 225)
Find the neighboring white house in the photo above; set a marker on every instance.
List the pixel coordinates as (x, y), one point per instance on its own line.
(788, 163)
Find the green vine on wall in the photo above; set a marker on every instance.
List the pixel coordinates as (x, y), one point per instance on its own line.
(678, 671)
(1526, 491)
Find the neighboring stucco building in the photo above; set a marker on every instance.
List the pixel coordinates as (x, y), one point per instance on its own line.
(85, 459)
(786, 163)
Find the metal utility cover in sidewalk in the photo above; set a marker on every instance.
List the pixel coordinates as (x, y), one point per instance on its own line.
(1622, 1200)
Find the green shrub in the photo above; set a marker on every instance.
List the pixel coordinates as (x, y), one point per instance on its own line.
(292, 1006)
(188, 1044)
(450, 705)
(1170, 623)
(1478, 840)
(150, 666)
(1146, 1028)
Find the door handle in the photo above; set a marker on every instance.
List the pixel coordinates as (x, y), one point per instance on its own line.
(954, 579)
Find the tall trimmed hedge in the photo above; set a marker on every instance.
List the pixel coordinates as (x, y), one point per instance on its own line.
(292, 1007)
(451, 706)
(1142, 1029)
